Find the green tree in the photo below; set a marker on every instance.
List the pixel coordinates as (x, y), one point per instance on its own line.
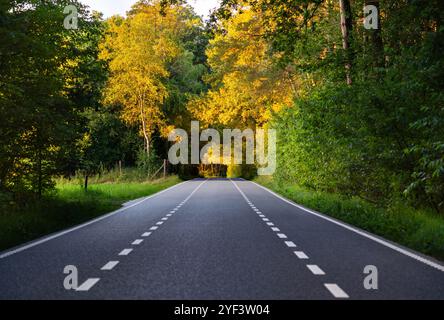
(45, 79)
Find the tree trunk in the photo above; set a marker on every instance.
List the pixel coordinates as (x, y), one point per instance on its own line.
(86, 182)
(373, 39)
(39, 173)
(346, 29)
(144, 127)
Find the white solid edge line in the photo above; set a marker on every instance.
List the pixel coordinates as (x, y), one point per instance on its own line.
(62, 233)
(365, 234)
(336, 291)
(110, 265)
(88, 284)
(315, 270)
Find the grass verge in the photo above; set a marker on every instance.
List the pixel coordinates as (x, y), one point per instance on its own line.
(420, 230)
(68, 206)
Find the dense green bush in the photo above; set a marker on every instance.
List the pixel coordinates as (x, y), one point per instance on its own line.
(148, 163)
(234, 171)
(381, 138)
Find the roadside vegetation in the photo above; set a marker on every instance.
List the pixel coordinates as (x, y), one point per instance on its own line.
(69, 204)
(70, 107)
(421, 230)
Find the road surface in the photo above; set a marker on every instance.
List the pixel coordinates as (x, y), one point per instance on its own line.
(217, 239)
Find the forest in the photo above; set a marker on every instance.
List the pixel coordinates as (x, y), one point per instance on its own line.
(358, 112)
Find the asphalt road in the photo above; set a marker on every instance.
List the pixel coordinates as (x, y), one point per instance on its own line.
(217, 239)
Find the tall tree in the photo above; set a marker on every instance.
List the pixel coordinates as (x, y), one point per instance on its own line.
(144, 51)
(373, 37)
(246, 87)
(41, 89)
(346, 29)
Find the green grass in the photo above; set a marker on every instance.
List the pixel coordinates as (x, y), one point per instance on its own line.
(69, 205)
(417, 229)
(128, 175)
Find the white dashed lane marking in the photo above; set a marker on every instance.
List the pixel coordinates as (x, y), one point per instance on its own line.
(110, 265)
(301, 255)
(62, 233)
(315, 270)
(336, 291)
(88, 284)
(290, 244)
(125, 252)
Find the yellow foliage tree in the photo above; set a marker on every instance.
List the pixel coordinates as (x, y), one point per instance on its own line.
(246, 85)
(138, 49)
